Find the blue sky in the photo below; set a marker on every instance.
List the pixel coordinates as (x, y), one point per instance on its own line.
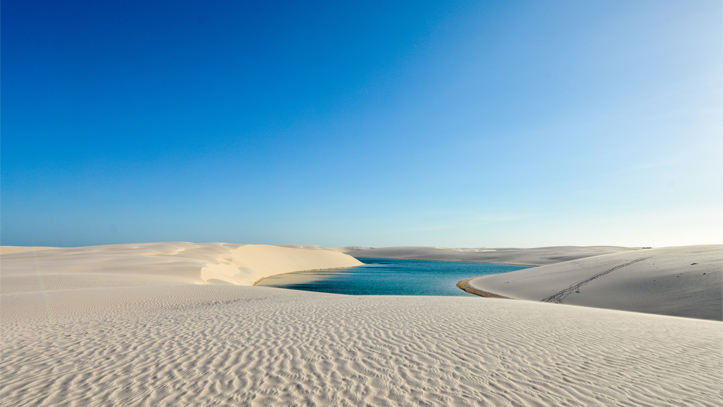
(460, 124)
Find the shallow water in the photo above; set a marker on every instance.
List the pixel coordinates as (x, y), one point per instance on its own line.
(390, 277)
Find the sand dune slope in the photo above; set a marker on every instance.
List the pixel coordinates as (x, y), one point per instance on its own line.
(159, 263)
(535, 256)
(681, 281)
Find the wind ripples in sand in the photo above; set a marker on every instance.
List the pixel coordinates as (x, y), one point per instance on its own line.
(250, 346)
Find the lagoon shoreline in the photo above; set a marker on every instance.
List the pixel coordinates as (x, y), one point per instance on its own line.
(465, 285)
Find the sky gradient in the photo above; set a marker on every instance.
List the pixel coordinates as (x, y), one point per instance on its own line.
(458, 124)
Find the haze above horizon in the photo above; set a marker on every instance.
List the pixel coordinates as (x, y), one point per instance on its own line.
(449, 123)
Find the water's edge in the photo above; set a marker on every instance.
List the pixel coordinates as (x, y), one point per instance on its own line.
(310, 278)
(464, 285)
(302, 271)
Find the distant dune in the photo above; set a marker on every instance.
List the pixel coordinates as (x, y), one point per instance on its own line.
(682, 281)
(533, 257)
(178, 324)
(21, 249)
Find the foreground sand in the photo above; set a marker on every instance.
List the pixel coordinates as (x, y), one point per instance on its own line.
(167, 339)
(682, 281)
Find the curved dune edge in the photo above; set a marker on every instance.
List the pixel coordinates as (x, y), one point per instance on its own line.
(684, 281)
(465, 285)
(160, 263)
(257, 282)
(250, 264)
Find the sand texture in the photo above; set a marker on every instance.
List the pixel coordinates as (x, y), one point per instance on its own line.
(533, 257)
(684, 281)
(21, 249)
(137, 325)
(144, 263)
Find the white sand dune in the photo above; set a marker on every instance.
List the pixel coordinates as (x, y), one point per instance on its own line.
(21, 249)
(682, 281)
(534, 257)
(138, 325)
(143, 263)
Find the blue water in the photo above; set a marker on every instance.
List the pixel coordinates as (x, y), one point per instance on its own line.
(391, 277)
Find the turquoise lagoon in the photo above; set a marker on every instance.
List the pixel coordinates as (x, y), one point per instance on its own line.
(390, 277)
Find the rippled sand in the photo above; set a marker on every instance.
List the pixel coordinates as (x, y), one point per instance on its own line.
(157, 342)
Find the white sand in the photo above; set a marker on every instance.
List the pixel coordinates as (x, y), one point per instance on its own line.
(681, 281)
(535, 257)
(177, 262)
(125, 325)
(21, 249)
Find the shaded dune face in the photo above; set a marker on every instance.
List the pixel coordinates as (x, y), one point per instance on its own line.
(682, 281)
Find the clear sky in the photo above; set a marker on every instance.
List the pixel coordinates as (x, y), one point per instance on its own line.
(373, 123)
